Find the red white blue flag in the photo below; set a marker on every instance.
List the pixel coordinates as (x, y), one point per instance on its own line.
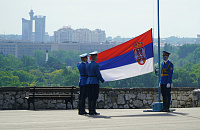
(129, 59)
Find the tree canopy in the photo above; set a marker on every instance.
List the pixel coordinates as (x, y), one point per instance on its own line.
(61, 69)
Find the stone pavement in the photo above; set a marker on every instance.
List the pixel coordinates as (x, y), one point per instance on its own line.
(110, 119)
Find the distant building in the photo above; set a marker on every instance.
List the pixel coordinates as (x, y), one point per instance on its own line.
(27, 27)
(198, 39)
(83, 35)
(20, 49)
(98, 36)
(39, 28)
(26, 31)
(65, 34)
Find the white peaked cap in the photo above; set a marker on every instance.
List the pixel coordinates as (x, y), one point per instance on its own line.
(93, 53)
(83, 55)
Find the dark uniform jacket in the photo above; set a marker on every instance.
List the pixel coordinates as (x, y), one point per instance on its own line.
(83, 73)
(94, 74)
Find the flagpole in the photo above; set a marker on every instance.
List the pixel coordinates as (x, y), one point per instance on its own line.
(158, 106)
(158, 53)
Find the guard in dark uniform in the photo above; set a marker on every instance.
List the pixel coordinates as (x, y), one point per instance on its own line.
(166, 80)
(82, 84)
(94, 76)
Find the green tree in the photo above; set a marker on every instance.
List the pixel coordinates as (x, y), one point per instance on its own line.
(24, 76)
(40, 56)
(28, 61)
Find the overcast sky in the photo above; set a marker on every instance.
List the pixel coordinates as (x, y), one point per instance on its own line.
(125, 18)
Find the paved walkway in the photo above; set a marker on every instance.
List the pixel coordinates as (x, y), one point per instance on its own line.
(110, 119)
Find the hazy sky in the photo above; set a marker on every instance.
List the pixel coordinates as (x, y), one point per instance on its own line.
(125, 18)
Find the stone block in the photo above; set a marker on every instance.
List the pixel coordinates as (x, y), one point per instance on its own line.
(23, 95)
(75, 104)
(174, 96)
(108, 99)
(122, 92)
(126, 106)
(61, 106)
(7, 97)
(184, 98)
(101, 97)
(141, 96)
(12, 102)
(106, 107)
(100, 104)
(130, 96)
(40, 104)
(115, 106)
(149, 96)
(174, 103)
(178, 97)
(105, 97)
(190, 96)
(138, 103)
(51, 106)
(121, 107)
(59, 101)
(131, 106)
(182, 103)
(150, 102)
(1, 102)
(195, 97)
(6, 106)
(120, 99)
(1, 96)
(17, 96)
(68, 105)
(20, 101)
(19, 93)
(145, 102)
(110, 105)
(113, 99)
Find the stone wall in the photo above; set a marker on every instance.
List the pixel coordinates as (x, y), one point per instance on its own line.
(109, 98)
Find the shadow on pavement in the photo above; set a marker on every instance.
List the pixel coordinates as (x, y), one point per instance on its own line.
(98, 116)
(141, 115)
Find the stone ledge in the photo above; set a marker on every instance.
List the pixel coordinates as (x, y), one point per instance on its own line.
(109, 98)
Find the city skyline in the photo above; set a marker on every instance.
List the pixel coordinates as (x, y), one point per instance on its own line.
(125, 18)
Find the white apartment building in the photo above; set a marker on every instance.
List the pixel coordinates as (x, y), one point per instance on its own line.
(68, 35)
(98, 36)
(65, 34)
(83, 36)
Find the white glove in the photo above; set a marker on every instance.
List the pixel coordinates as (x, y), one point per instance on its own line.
(168, 85)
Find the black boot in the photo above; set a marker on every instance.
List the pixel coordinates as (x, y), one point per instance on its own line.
(167, 105)
(90, 107)
(164, 105)
(79, 107)
(94, 108)
(83, 107)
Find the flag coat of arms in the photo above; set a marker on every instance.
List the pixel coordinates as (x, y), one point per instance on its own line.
(132, 58)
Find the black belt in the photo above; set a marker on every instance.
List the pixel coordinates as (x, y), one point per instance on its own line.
(92, 76)
(84, 75)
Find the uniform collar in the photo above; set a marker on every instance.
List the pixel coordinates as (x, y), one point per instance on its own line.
(166, 61)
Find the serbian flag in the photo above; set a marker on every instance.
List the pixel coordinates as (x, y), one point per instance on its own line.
(129, 59)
